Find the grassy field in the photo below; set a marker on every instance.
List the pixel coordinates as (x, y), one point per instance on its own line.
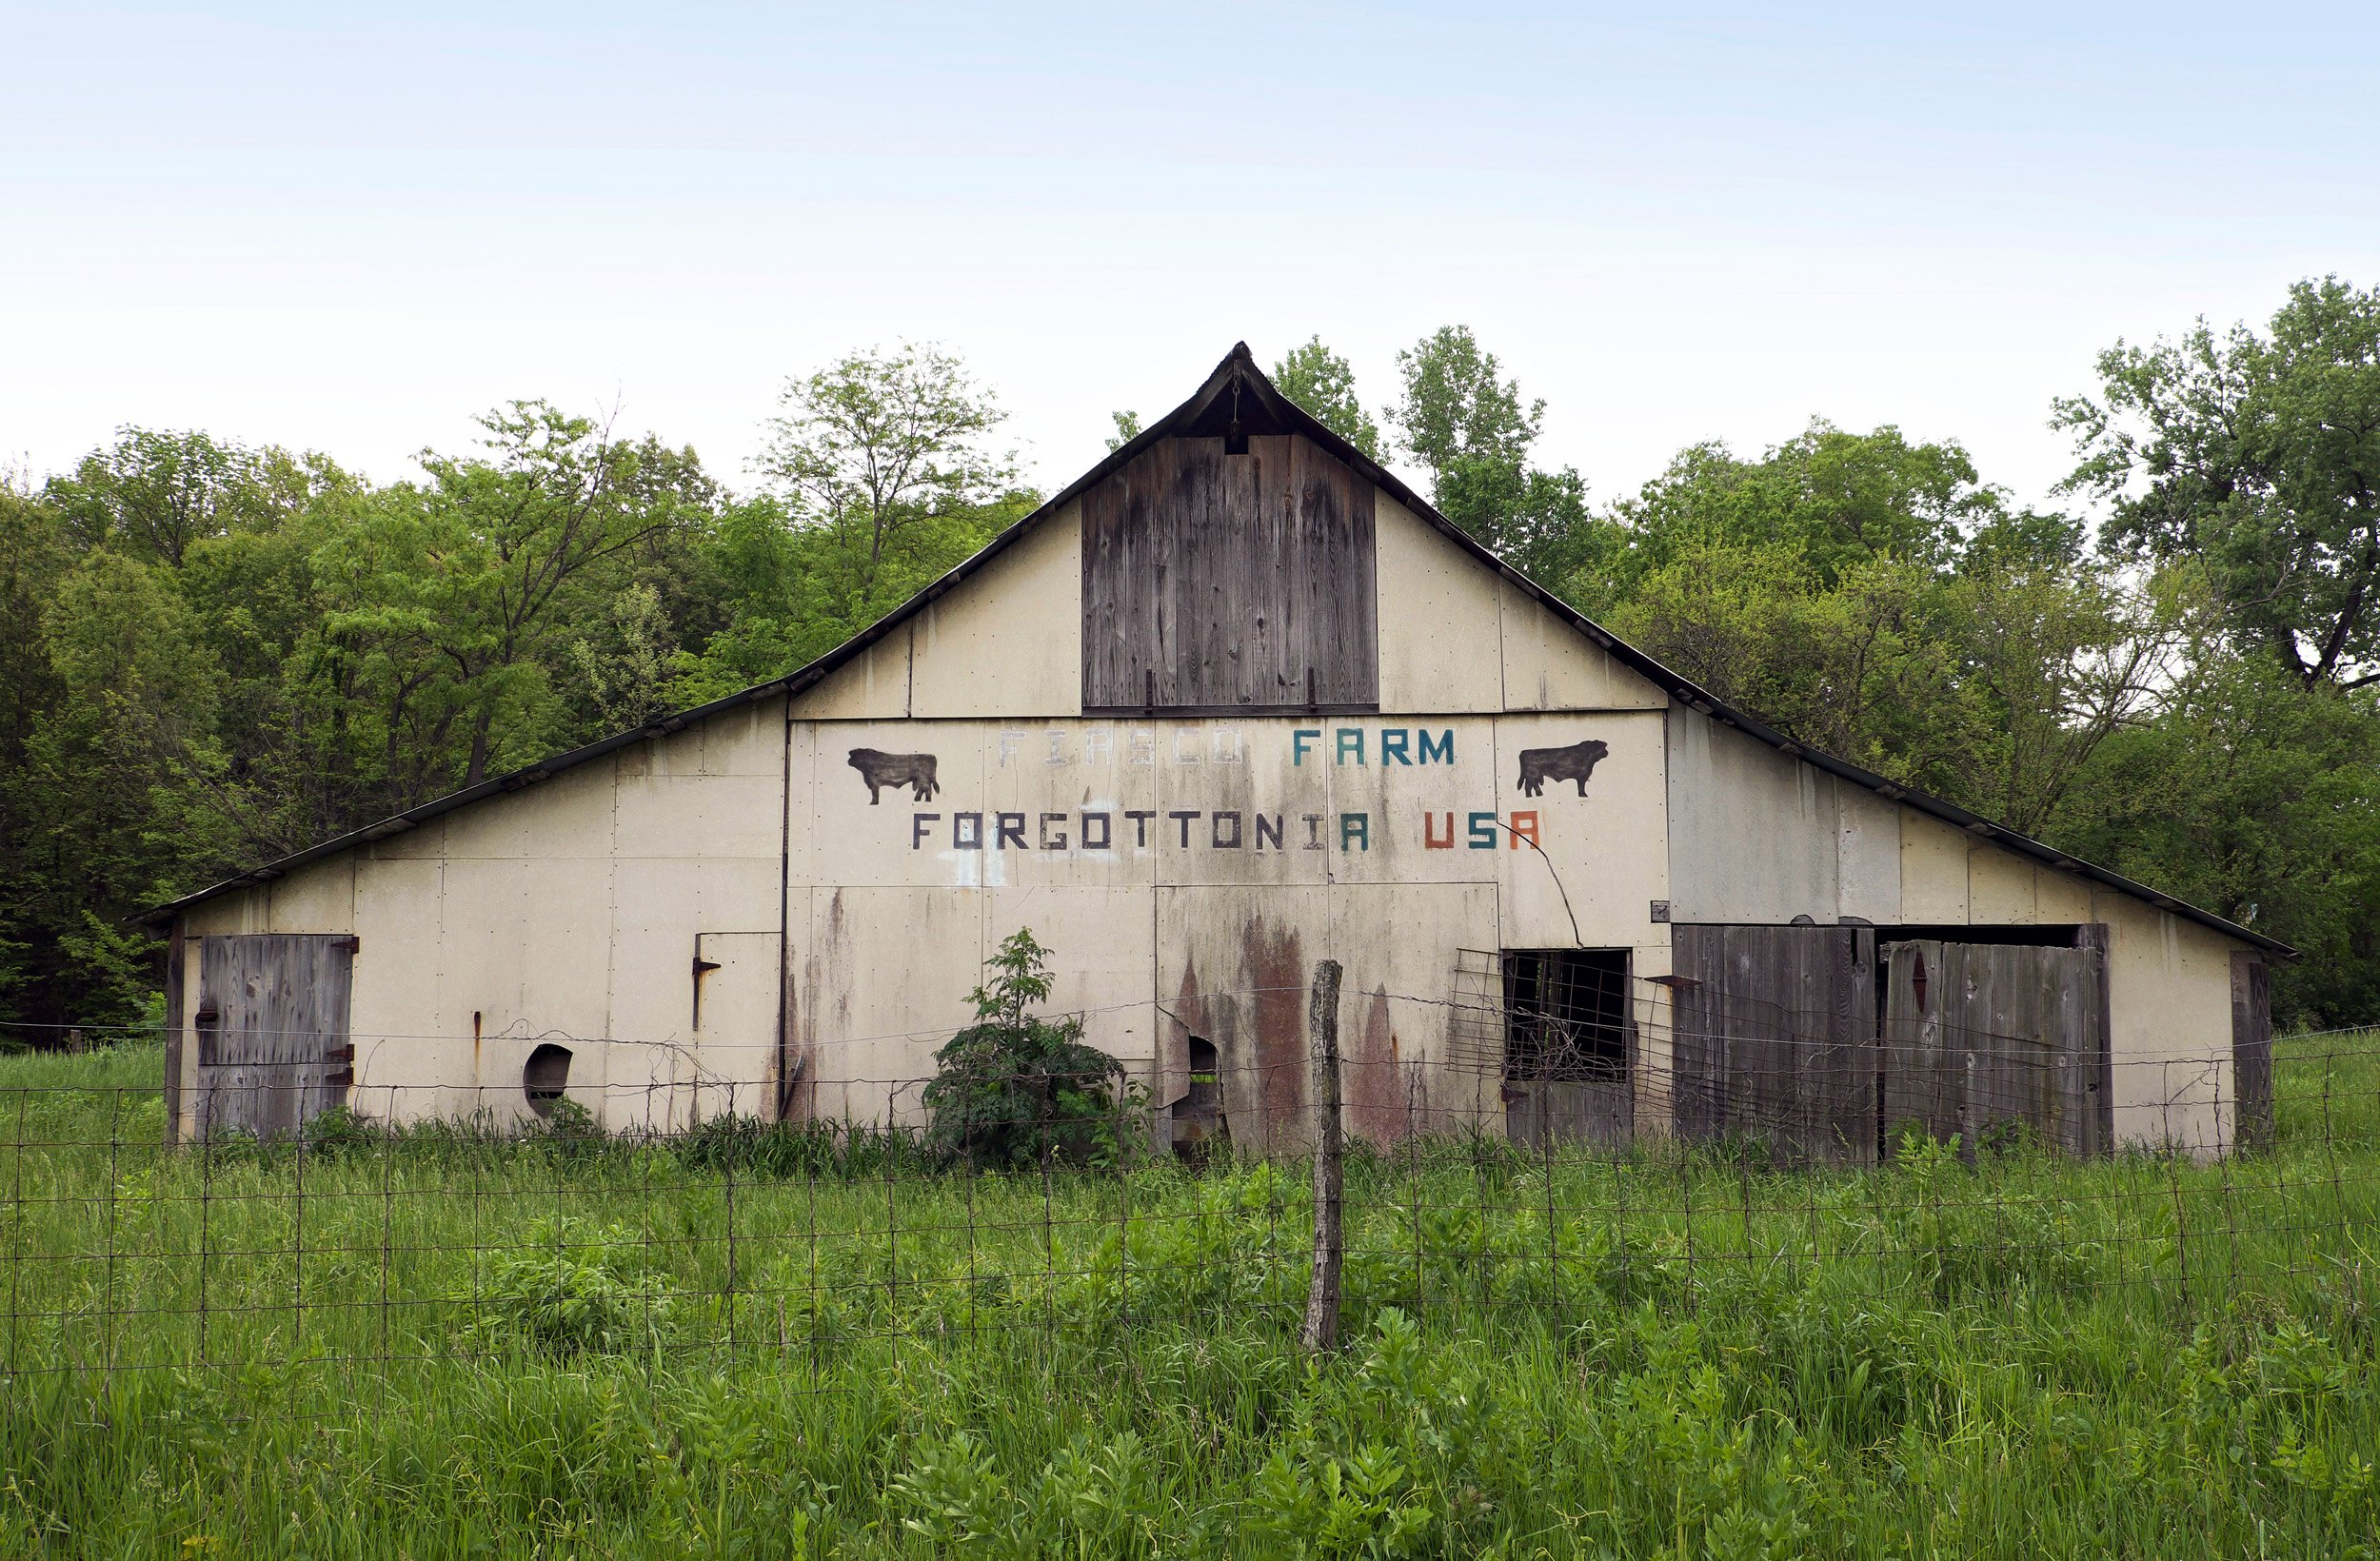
(735, 1345)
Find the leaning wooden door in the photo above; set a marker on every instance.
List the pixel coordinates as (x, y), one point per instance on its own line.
(2251, 1049)
(1983, 1038)
(1774, 1037)
(274, 1049)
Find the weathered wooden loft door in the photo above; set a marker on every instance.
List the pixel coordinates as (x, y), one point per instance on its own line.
(2251, 1049)
(274, 1049)
(1214, 582)
(1774, 1037)
(1979, 1037)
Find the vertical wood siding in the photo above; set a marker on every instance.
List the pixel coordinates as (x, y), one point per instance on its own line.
(273, 1006)
(2251, 1048)
(1999, 1034)
(1229, 582)
(1776, 1037)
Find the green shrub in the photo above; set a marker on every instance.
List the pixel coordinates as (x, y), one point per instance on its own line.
(1013, 1090)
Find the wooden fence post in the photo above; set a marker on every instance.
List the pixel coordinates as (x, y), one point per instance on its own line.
(1322, 1329)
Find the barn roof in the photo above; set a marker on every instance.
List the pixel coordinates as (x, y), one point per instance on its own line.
(1237, 391)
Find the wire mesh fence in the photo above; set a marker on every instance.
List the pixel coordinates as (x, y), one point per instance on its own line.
(1604, 1285)
(1493, 1192)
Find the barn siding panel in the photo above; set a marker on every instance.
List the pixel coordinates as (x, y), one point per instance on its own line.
(1443, 652)
(1978, 1035)
(1221, 581)
(1776, 1037)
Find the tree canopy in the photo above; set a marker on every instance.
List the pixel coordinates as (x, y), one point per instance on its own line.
(213, 654)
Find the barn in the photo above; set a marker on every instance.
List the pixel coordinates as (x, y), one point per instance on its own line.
(1233, 702)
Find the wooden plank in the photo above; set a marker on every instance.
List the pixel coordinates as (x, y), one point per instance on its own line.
(2096, 940)
(1922, 1083)
(1217, 583)
(1594, 1110)
(2251, 1049)
(1847, 1112)
(1999, 1034)
(1775, 1039)
(1271, 543)
(1337, 561)
(1697, 1048)
(281, 1005)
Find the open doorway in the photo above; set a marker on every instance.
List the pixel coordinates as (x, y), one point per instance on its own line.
(1568, 1052)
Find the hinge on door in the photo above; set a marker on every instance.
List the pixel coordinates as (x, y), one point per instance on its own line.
(342, 1078)
(341, 1054)
(351, 943)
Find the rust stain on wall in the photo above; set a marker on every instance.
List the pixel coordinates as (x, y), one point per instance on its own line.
(1374, 1083)
(1188, 1019)
(1275, 962)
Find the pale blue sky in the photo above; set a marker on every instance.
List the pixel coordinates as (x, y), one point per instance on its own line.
(351, 231)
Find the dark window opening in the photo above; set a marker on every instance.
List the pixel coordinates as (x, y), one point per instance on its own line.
(547, 1075)
(2047, 935)
(1566, 1014)
(1200, 1125)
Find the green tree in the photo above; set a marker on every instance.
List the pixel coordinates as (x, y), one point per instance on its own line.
(1456, 404)
(456, 598)
(881, 484)
(881, 451)
(1875, 599)
(153, 494)
(2257, 459)
(2249, 793)
(1323, 383)
(1538, 521)
(1836, 499)
(121, 790)
(1127, 429)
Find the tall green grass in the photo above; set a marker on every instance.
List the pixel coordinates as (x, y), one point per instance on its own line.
(765, 1343)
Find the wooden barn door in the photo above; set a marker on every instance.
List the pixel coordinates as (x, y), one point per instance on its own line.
(273, 1050)
(1774, 1037)
(2251, 1049)
(1979, 1037)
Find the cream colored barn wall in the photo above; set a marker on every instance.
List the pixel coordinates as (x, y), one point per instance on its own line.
(1457, 638)
(1134, 851)
(1009, 642)
(1755, 836)
(1551, 665)
(873, 686)
(567, 911)
(2170, 998)
(1440, 619)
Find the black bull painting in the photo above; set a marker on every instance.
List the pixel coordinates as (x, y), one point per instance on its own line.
(1575, 762)
(915, 771)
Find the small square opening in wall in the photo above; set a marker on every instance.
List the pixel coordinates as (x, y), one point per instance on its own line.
(1566, 1014)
